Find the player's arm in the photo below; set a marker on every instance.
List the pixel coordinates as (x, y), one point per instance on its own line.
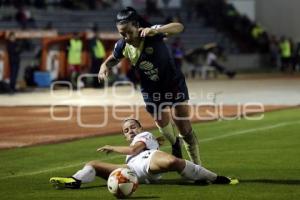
(106, 66)
(131, 150)
(112, 60)
(168, 29)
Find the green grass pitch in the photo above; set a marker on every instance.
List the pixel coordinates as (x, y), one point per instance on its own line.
(264, 155)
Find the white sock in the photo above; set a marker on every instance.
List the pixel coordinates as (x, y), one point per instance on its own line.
(197, 172)
(168, 132)
(86, 175)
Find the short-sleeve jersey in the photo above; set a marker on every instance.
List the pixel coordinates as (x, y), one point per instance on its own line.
(154, 62)
(148, 139)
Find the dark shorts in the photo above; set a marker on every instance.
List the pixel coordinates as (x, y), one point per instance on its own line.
(165, 97)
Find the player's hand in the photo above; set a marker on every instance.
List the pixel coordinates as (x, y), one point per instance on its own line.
(147, 32)
(107, 149)
(104, 72)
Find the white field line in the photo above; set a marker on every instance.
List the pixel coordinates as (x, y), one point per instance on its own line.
(251, 130)
(165, 147)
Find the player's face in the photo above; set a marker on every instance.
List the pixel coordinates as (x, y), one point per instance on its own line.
(131, 129)
(129, 32)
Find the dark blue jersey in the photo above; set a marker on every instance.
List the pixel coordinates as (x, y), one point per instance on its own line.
(154, 63)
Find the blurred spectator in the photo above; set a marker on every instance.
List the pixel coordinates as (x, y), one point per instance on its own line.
(178, 51)
(225, 17)
(257, 31)
(14, 49)
(293, 54)
(212, 60)
(193, 62)
(21, 17)
(97, 53)
(24, 18)
(4, 86)
(274, 52)
(297, 57)
(74, 58)
(285, 53)
(260, 38)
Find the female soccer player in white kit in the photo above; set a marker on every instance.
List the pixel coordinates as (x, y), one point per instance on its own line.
(144, 158)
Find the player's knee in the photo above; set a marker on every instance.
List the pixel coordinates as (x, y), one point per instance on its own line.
(162, 123)
(92, 163)
(173, 163)
(185, 130)
(162, 119)
(184, 126)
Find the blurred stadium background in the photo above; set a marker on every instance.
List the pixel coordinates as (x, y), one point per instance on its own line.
(255, 45)
(257, 41)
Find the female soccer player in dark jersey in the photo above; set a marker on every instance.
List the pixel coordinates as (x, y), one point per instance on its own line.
(162, 83)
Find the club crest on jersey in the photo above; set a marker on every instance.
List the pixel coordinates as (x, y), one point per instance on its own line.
(149, 50)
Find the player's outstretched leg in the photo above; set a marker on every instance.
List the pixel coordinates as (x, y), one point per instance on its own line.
(163, 162)
(200, 174)
(86, 175)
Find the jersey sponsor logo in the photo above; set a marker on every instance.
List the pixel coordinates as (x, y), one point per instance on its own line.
(145, 65)
(152, 74)
(149, 70)
(154, 77)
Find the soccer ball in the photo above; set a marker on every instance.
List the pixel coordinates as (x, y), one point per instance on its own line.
(122, 182)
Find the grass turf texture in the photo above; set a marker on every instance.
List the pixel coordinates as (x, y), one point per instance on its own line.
(263, 154)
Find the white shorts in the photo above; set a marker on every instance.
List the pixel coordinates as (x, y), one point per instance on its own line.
(140, 164)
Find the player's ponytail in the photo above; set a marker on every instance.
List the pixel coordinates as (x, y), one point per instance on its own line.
(129, 14)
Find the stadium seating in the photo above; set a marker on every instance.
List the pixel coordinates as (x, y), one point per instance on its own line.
(65, 21)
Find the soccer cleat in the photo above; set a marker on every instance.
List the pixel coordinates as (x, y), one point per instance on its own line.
(225, 180)
(176, 148)
(61, 182)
